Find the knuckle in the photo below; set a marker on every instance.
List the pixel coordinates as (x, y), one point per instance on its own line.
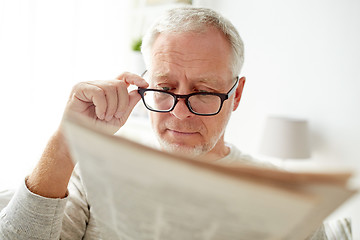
(121, 84)
(111, 85)
(98, 91)
(126, 74)
(77, 86)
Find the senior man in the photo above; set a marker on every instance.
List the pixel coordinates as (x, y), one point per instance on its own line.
(191, 87)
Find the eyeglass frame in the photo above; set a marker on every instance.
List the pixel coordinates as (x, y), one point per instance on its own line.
(223, 97)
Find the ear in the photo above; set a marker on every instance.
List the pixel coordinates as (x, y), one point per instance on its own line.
(238, 92)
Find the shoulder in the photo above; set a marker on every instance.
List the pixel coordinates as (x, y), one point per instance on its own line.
(5, 197)
(236, 156)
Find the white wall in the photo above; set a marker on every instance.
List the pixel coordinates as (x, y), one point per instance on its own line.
(45, 48)
(302, 60)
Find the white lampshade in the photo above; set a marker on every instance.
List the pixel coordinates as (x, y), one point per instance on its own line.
(285, 138)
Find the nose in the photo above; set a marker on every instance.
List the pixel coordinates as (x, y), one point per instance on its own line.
(181, 111)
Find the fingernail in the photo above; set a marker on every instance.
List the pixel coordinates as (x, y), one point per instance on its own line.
(102, 116)
(108, 118)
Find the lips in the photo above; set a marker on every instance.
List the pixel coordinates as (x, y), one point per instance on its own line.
(181, 133)
(183, 129)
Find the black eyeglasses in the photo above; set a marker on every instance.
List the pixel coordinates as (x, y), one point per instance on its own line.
(199, 103)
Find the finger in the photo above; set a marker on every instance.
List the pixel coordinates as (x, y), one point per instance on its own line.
(134, 98)
(123, 99)
(133, 79)
(96, 95)
(112, 102)
(116, 95)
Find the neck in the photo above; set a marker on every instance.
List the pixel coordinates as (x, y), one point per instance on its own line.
(219, 151)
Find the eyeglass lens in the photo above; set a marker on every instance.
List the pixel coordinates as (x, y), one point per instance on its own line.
(202, 104)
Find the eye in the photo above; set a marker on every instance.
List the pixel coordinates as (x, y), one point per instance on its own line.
(203, 91)
(165, 88)
(204, 88)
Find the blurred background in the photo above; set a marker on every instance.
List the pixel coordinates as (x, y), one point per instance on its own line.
(301, 61)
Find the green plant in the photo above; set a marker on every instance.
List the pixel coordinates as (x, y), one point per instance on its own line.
(136, 44)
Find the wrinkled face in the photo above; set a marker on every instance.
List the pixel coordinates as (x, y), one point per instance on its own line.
(190, 62)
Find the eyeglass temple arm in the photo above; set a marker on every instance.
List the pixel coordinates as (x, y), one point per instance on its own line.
(142, 75)
(232, 90)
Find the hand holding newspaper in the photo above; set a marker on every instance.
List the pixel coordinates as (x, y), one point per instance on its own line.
(139, 193)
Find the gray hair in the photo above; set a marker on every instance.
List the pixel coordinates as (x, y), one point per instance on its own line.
(191, 19)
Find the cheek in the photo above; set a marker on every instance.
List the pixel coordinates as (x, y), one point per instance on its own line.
(153, 119)
(219, 121)
(212, 125)
(227, 108)
(156, 120)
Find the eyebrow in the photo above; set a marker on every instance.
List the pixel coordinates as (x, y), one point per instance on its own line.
(160, 75)
(212, 81)
(208, 80)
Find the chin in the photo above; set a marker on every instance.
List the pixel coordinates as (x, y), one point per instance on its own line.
(184, 150)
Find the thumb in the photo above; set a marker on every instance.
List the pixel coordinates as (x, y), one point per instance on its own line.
(134, 98)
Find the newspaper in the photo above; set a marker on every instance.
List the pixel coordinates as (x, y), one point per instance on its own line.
(137, 192)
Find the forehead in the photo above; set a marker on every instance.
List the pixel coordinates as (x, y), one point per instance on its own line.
(195, 55)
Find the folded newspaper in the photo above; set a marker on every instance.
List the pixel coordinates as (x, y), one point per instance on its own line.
(137, 192)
